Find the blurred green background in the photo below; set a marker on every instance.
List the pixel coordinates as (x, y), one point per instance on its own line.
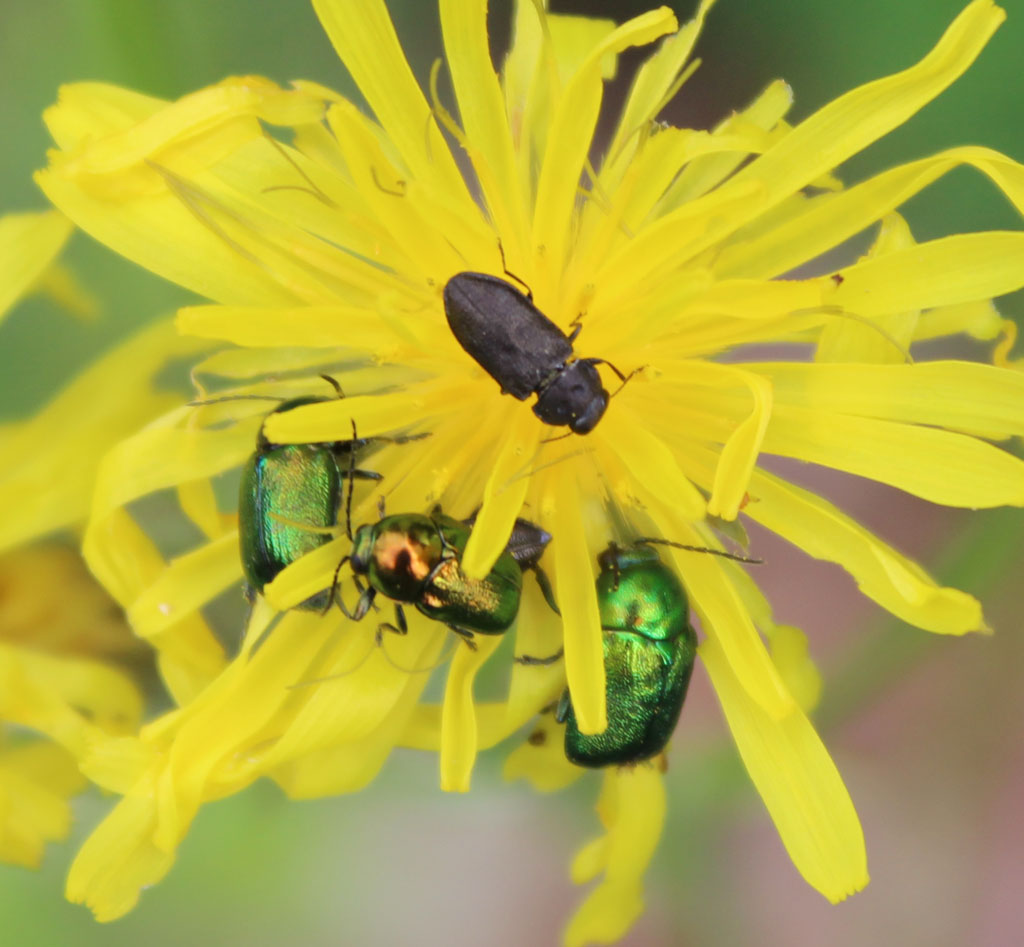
(926, 731)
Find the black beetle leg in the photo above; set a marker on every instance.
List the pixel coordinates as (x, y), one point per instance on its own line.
(333, 382)
(545, 587)
(532, 661)
(366, 597)
(334, 590)
(401, 627)
(466, 636)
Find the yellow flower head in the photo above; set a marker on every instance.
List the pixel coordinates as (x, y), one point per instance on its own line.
(325, 239)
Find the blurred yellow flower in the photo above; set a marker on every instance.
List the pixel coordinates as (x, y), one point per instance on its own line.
(326, 246)
(59, 632)
(60, 692)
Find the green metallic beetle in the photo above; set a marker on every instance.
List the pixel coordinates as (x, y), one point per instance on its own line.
(649, 650)
(415, 559)
(288, 502)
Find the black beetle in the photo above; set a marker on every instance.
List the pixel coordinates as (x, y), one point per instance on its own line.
(524, 351)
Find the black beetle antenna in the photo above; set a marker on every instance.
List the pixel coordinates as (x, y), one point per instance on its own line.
(622, 378)
(207, 401)
(650, 540)
(351, 482)
(508, 272)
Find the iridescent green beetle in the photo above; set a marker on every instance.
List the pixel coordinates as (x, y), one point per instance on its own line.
(415, 559)
(649, 650)
(288, 502)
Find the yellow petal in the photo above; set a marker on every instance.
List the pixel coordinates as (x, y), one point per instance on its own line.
(961, 396)
(35, 486)
(464, 26)
(119, 858)
(574, 589)
(185, 585)
(654, 79)
(458, 718)
(817, 145)
(503, 497)
(36, 781)
(799, 783)
(569, 141)
(962, 268)
(881, 573)
(29, 243)
(632, 807)
(828, 220)
(540, 760)
(940, 466)
(365, 39)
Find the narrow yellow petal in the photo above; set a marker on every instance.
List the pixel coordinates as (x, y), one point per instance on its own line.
(29, 243)
(373, 414)
(650, 462)
(315, 326)
(816, 146)
(828, 220)
(364, 37)
(754, 123)
(941, 466)
(961, 396)
(799, 783)
(163, 455)
(881, 573)
(958, 269)
(884, 338)
(574, 589)
(503, 497)
(481, 108)
(188, 583)
(569, 141)
(633, 825)
(36, 488)
(119, 859)
(655, 77)
(741, 450)
(458, 717)
(725, 619)
(538, 634)
(162, 234)
(198, 502)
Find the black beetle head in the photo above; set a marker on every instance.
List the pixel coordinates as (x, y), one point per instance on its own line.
(574, 397)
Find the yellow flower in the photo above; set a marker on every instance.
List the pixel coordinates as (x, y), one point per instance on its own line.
(59, 632)
(59, 693)
(324, 239)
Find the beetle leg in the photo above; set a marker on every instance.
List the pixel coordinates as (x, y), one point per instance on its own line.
(333, 382)
(545, 587)
(466, 636)
(532, 661)
(334, 591)
(401, 626)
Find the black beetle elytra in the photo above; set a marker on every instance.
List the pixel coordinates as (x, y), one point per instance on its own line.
(524, 351)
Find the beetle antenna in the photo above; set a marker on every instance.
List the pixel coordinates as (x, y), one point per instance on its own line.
(651, 540)
(351, 483)
(333, 382)
(206, 401)
(622, 378)
(508, 272)
(399, 190)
